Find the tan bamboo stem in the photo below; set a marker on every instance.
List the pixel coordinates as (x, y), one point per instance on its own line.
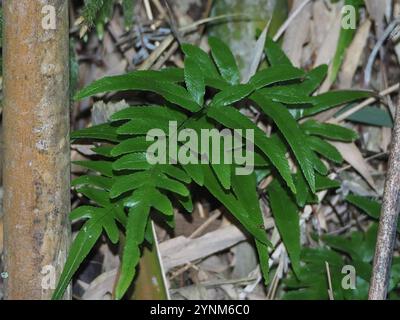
(36, 145)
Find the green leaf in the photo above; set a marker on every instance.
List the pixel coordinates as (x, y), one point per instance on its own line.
(98, 196)
(313, 79)
(137, 221)
(130, 182)
(111, 227)
(91, 180)
(104, 167)
(325, 149)
(129, 81)
(286, 95)
(82, 212)
(329, 131)
(132, 161)
(229, 200)
(119, 213)
(136, 144)
(142, 80)
(161, 202)
(287, 220)
(369, 206)
(319, 256)
(148, 234)
(263, 257)
(332, 99)
(233, 119)
(359, 246)
(142, 126)
(275, 54)
(303, 190)
(103, 150)
(206, 65)
(150, 112)
(223, 173)
(245, 188)
(175, 172)
(224, 60)
(297, 93)
(195, 172)
(186, 202)
(101, 132)
(317, 164)
(166, 183)
(232, 94)
(342, 244)
(372, 116)
(292, 133)
(83, 243)
(323, 183)
(145, 118)
(194, 80)
(275, 74)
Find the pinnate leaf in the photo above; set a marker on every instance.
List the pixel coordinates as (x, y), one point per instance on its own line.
(224, 60)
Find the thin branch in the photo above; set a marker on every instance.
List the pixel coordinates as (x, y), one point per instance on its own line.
(328, 274)
(375, 51)
(365, 103)
(388, 220)
(289, 20)
(191, 27)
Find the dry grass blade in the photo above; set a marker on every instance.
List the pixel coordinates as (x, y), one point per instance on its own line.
(181, 250)
(353, 55)
(328, 273)
(206, 223)
(101, 288)
(258, 51)
(297, 28)
(353, 156)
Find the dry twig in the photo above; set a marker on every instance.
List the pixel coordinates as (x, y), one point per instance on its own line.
(388, 220)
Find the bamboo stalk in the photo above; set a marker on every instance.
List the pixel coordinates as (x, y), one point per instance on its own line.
(36, 146)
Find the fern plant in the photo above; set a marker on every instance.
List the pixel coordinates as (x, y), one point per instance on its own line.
(125, 190)
(355, 249)
(98, 12)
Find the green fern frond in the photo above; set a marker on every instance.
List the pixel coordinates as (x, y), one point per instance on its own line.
(135, 187)
(91, 9)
